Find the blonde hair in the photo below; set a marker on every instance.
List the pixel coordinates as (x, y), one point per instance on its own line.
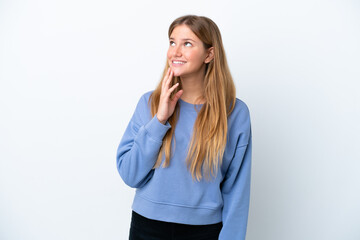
(209, 137)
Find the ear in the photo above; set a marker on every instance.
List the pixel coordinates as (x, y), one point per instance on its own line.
(210, 55)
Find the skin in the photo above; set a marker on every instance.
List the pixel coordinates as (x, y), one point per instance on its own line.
(187, 48)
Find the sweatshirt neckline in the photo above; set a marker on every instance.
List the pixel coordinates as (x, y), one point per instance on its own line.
(189, 105)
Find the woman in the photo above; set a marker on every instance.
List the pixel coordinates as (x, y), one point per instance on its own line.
(187, 148)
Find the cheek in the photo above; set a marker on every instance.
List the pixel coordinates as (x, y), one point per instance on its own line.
(169, 54)
(196, 57)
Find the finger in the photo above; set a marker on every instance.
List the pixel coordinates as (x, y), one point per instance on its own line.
(177, 96)
(169, 79)
(165, 78)
(173, 88)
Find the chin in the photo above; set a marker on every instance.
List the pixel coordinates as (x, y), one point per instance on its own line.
(176, 73)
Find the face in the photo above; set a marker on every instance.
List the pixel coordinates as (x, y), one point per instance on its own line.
(186, 55)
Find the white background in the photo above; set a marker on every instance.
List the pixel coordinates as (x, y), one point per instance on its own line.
(72, 72)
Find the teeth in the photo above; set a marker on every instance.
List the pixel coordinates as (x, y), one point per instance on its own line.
(178, 62)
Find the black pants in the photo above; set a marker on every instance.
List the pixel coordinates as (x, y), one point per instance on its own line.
(147, 229)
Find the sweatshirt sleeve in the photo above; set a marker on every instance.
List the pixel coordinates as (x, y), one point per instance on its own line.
(139, 146)
(236, 194)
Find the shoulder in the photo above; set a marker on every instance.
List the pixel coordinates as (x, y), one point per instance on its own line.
(241, 111)
(240, 104)
(144, 100)
(239, 124)
(146, 96)
(142, 112)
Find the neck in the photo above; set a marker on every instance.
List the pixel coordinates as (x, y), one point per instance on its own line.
(193, 87)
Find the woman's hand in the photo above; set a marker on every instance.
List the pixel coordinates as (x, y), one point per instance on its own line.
(166, 104)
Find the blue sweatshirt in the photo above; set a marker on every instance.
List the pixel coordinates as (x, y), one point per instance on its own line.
(170, 194)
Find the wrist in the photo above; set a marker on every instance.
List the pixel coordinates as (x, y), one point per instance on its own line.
(162, 121)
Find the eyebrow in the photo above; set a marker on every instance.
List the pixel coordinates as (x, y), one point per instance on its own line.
(184, 39)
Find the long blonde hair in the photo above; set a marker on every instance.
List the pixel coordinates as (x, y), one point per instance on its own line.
(209, 137)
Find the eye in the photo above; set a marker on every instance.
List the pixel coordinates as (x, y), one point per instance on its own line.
(172, 43)
(188, 44)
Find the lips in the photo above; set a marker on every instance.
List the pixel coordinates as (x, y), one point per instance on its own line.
(178, 62)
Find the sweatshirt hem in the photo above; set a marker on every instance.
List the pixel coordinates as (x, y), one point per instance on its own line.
(176, 213)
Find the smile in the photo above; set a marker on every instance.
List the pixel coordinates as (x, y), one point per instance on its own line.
(178, 62)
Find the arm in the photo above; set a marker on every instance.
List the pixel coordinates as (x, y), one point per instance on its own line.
(236, 195)
(139, 146)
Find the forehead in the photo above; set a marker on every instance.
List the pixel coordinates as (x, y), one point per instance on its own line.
(183, 32)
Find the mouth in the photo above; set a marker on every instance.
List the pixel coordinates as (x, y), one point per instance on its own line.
(177, 62)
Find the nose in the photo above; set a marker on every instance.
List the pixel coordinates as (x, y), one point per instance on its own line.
(177, 51)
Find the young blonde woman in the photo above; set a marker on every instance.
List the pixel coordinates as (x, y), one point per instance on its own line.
(187, 148)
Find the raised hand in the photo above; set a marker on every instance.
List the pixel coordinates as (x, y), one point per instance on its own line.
(166, 104)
